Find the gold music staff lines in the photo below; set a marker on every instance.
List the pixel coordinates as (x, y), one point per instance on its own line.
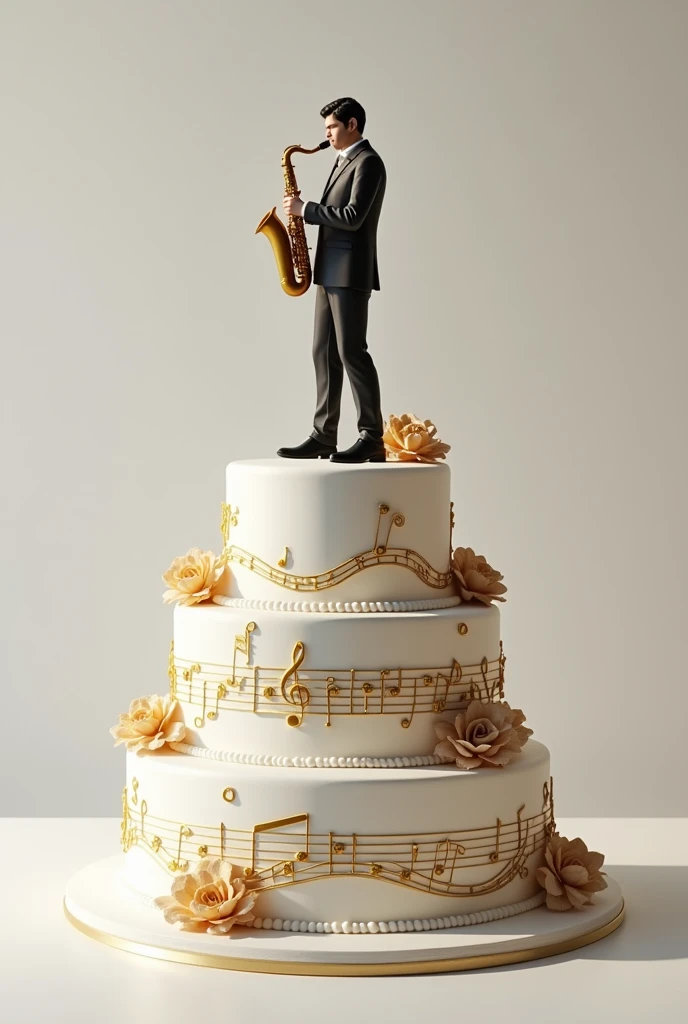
(296, 691)
(378, 554)
(284, 851)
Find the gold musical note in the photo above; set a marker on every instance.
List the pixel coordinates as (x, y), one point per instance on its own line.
(407, 872)
(383, 675)
(271, 826)
(406, 722)
(242, 645)
(484, 668)
(494, 856)
(178, 864)
(454, 676)
(523, 870)
(224, 523)
(298, 694)
(382, 510)
(283, 560)
(188, 674)
(144, 812)
(332, 691)
(228, 517)
(446, 846)
(462, 628)
(220, 693)
(367, 689)
(502, 663)
(134, 791)
(172, 672)
(396, 520)
(335, 848)
(200, 719)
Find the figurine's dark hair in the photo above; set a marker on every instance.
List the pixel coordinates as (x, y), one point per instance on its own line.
(345, 108)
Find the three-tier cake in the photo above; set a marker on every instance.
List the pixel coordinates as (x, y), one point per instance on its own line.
(338, 751)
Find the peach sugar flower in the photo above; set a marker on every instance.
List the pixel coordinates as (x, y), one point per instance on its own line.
(476, 578)
(409, 439)
(213, 898)
(149, 723)
(571, 873)
(483, 734)
(192, 577)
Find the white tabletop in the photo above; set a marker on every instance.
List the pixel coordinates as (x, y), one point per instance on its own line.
(50, 972)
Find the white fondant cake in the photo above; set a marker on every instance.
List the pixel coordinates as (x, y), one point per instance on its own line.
(376, 845)
(325, 531)
(360, 685)
(265, 688)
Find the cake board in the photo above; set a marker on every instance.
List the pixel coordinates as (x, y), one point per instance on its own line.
(98, 903)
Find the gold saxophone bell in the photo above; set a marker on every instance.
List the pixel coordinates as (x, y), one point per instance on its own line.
(289, 243)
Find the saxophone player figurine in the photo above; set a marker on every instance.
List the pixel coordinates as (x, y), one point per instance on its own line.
(289, 244)
(345, 273)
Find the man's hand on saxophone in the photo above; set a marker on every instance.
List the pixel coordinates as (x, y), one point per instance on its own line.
(293, 206)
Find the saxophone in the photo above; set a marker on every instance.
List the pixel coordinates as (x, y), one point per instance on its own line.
(289, 244)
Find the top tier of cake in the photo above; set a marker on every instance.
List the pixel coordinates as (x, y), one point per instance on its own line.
(320, 532)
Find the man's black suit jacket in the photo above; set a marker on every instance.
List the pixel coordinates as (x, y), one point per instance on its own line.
(346, 254)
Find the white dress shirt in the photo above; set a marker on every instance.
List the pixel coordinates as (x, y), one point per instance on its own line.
(343, 154)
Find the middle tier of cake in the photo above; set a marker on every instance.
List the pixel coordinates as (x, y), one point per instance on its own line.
(323, 690)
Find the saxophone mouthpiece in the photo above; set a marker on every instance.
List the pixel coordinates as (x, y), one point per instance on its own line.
(324, 145)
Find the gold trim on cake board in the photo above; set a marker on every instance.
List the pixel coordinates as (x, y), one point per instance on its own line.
(348, 970)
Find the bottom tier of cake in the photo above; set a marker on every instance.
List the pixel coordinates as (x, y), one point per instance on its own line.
(336, 846)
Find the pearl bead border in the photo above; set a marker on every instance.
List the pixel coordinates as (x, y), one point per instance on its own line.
(273, 761)
(425, 924)
(426, 604)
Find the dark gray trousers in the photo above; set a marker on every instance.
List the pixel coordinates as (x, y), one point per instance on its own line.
(339, 343)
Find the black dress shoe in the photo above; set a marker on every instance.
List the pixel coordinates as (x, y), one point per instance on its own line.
(310, 449)
(362, 451)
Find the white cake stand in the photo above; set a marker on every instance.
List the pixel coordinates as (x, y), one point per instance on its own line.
(98, 904)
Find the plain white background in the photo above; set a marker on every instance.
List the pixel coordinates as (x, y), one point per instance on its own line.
(532, 253)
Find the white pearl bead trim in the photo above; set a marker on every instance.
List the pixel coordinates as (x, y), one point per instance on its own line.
(426, 604)
(426, 924)
(272, 761)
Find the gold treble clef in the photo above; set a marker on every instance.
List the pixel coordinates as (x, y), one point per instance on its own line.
(297, 694)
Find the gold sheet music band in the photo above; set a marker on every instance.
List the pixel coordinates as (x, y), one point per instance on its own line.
(285, 851)
(295, 692)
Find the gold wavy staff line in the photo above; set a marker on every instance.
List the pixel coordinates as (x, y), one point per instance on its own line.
(373, 858)
(396, 874)
(490, 684)
(225, 670)
(277, 839)
(379, 554)
(319, 847)
(366, 701)
(403, 557)
(130, 805)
